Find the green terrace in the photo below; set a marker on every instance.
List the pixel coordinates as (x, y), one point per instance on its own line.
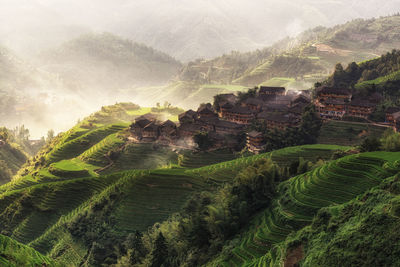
(300, 198)
(37, 209)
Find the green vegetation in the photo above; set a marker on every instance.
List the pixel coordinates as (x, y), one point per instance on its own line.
(16, 254)
(348, 133)
(105, 56)
(299, 199)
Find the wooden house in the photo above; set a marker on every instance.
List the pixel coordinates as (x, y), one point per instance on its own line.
(267, 90)
(151, 132)
(206, 111)
(389, 116)
(253, 104)
(324, 93)
(189, 129)
(332, 108)
(239, 115)
(227, 127)
(187, 116)
(300, 99)
(281, 121)
(255, 142)
(137, 127)
(360, 108)
(168, 128)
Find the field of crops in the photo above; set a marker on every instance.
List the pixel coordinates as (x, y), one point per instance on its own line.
(302, 196)
(17, 254)
(347, 133)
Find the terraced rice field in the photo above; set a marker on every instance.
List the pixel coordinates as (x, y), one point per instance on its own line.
(17, 254)
(75, 147)
(302, 196)
(143, 156)
(168, 189)
(196, 160)
(284, 157)
(347, 133)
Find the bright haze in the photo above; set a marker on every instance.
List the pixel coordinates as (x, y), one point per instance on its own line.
(185, 29)
(57, 65)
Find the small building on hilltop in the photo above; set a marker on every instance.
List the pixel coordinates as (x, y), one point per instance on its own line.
(267, 90)
(360, 108)
(188, 116)
(255, 142)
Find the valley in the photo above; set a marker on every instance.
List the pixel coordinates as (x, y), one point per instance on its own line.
(115, 152)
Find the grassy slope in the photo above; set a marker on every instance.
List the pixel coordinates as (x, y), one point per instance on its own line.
(40, 208)
(347, 133)
(12, 158)
(299, 200)
(15, 254)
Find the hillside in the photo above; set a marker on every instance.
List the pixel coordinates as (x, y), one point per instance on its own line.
(13, 253)
(12, 158)
(301, 61)
(106, 61)
(93, 179)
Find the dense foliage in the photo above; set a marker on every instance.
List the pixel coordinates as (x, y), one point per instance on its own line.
(208, 219)
(359, 233)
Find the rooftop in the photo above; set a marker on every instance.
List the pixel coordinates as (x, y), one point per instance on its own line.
(362, 103)
(333, 91)
(269, 89)
(241, 110)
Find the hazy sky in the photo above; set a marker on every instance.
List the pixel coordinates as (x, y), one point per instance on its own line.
(182, 28)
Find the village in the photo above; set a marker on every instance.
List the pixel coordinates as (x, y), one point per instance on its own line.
(276, 107)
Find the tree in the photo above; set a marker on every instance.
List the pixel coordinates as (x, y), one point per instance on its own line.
(4, 134)
(391, 141)
(370, 144)
(203, 140)
(160, 251)
(50, 135)
(310, 125)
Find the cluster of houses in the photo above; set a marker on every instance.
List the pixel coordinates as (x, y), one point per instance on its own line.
(336, 103)
(274, 106)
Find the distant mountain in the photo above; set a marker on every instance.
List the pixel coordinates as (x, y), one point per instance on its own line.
(105, 61)
(301, 61)
(184, 29)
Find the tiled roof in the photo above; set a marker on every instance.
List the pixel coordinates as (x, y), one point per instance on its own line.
(270, 89)
(241, 110)
(334, 91)
(362, 103)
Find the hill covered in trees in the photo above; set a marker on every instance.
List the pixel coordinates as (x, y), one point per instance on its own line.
(106, 61)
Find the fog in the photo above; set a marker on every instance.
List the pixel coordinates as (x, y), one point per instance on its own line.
(54, 95)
